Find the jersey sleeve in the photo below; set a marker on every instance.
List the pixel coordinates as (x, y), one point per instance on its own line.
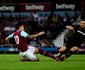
(24, 34)
(76, 27)
(10, 36)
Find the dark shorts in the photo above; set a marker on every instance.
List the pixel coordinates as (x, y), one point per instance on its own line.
(75, 40)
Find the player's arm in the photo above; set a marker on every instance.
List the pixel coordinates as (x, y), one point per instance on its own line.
(7, 39)
(70, 27)
(24, 34)
(36, 35)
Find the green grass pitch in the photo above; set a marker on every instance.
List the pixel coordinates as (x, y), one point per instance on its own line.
(12, 62)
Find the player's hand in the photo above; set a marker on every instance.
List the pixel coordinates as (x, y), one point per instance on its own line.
(69, 27)
(41, 33)
(8, 45)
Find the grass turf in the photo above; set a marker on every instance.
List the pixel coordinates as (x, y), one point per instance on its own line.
(12, 62)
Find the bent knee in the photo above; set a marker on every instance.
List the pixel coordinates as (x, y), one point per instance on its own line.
(75, 48)
(36, 51)
(62, 49)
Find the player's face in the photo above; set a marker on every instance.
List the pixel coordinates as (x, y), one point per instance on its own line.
(82, 24)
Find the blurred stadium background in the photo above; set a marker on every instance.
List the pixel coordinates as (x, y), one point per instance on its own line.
(50, 16)
(40, 15)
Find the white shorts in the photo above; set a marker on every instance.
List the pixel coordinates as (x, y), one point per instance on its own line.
(29, 54)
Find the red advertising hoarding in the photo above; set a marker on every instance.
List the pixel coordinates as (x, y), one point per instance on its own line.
(35, 7)
(29, 7)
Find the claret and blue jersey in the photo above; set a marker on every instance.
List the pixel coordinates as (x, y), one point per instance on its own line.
(20, 39)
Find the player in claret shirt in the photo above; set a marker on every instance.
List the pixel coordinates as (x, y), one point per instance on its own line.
(27, 52)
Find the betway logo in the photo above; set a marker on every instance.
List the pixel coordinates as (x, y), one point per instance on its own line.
(65, 6)
(35, 7)
(7, 8)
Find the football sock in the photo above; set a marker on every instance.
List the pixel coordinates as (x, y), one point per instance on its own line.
(68, 54)
(40, 51)
(60, 54)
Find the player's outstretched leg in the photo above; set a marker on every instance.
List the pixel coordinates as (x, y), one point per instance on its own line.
(42, 52)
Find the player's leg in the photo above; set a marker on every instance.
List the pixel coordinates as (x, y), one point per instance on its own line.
(29, 55)
(69, 53)
(75, 43)
(60, 52)
(42, 52)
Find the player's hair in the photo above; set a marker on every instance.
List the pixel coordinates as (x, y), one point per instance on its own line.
(83, 19)
(18, 25)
